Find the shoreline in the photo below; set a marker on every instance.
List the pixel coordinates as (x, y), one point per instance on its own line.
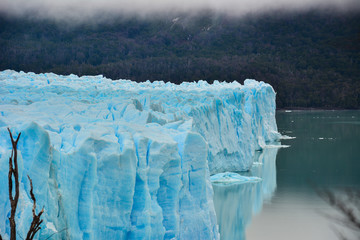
(315, 109)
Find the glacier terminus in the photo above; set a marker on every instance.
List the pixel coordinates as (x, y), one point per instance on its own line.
(116, 159)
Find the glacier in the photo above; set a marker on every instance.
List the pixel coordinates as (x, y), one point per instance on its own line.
(126, 160)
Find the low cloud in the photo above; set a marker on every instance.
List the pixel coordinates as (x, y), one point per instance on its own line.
(85, 9)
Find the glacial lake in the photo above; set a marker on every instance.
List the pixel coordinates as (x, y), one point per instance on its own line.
(325, 154)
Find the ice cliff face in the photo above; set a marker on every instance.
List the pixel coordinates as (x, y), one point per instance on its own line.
(124, 160)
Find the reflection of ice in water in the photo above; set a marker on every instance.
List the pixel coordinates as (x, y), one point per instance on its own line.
(236, 203)
(266, 171)
(233, 206)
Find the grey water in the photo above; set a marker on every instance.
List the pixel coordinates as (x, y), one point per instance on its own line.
(325, 154)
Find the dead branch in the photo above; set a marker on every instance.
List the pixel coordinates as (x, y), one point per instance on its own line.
(13, 172)
(36, 222)
(342, 206)
(347, 205)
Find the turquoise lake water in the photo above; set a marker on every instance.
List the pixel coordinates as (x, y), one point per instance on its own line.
(324, 154)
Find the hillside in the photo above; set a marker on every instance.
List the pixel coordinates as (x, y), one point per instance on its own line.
(311, 59)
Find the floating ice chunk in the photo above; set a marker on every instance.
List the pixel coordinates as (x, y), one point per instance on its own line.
(231, 178)
(323, 138)
(285, 137)
(276, 146)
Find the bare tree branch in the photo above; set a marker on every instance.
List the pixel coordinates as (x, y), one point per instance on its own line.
(342, 206)
(13, 172)
(14, 176)
(36, 222)
(339, 234)
(347, 204)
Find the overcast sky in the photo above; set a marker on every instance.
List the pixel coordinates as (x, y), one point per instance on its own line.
(82, 9)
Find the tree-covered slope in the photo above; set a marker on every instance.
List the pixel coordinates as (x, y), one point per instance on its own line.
(312, 59)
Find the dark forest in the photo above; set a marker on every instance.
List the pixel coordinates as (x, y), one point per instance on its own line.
(312, 59)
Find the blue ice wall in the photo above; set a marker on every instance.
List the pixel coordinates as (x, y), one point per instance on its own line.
(125, 160)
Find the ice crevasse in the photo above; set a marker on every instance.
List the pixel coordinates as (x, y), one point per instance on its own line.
(125, 160)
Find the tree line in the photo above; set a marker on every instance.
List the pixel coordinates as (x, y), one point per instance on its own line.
(310, 58)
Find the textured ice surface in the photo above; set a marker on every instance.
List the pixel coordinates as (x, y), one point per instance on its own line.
(125, 160)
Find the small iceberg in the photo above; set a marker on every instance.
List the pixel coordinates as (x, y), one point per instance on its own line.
(285, 137)
(232, 178)
(276, 146)
(323, 138)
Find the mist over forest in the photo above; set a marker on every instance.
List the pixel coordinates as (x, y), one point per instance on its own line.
(311, 58)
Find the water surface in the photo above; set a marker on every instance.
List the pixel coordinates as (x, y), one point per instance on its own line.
(324, 154)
